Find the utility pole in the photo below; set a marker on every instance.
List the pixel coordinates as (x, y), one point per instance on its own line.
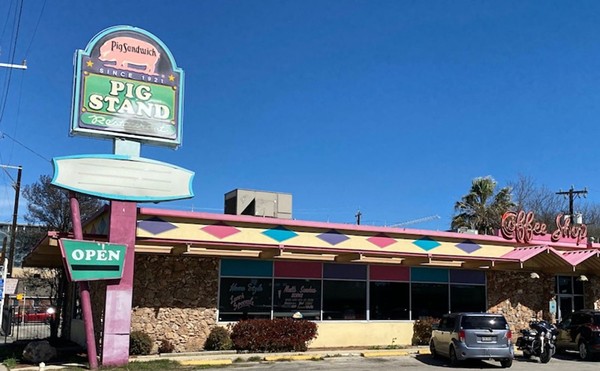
(13, 228)
(572, 194)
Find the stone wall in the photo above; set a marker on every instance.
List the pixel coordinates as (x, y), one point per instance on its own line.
(175, 299)
(519, 297)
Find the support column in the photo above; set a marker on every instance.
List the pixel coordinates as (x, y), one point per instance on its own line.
(117, 310)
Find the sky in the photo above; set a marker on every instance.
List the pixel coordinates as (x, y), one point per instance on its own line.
(387, 107)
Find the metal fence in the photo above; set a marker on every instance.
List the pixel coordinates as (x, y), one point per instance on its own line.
(26, 323)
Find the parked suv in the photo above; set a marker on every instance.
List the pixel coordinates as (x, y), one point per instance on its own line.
(580, 331)
(461, 336)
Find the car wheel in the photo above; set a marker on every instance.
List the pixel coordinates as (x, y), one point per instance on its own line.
(584, 352)
(453, 359)
(432, 349)
(506, 363)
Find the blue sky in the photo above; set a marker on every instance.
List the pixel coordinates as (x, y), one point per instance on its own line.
(390, 107)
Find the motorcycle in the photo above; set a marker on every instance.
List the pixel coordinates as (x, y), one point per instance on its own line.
(539, 340)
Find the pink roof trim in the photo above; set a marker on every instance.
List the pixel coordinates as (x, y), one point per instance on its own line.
(578, 257)
(525, 253)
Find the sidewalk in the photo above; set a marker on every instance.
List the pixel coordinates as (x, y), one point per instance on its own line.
(229, 357)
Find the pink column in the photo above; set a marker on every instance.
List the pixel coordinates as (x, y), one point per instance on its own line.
(117, 311)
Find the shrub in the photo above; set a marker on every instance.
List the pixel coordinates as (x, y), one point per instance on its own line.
(218, 339)
(166, 346)
(422, 330)
(140, 343)
(281, 334)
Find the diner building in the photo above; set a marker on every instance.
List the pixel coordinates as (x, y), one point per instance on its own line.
(362, 285)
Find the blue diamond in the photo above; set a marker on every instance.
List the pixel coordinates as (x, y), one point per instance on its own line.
(468, 246)
(280, 233)
(426, 243)
(333, 237)
(155, 225)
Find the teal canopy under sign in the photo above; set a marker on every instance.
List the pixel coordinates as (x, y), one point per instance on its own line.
(92, 261)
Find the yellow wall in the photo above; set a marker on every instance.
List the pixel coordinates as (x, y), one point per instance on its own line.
(347, 334)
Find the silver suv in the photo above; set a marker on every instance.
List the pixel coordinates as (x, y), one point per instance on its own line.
(461, 336)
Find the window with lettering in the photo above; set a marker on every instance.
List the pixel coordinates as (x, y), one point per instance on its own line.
(297, 295)
(244, 298)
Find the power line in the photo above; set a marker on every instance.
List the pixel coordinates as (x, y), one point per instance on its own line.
(2, 135)
(35, 30)
(12, 60)
(572, 194)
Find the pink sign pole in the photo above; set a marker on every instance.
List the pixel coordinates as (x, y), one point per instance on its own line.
(117, 310)
(84, 290)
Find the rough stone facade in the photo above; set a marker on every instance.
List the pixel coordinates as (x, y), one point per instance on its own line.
(175, 299)
(519, 297)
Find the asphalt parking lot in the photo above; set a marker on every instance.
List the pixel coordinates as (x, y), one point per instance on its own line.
(415, 363)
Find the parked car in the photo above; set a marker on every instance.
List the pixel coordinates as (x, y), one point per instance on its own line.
(580, 331)
(484, 336)
(34, 315)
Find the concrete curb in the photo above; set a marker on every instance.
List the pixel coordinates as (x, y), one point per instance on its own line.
(229, 357)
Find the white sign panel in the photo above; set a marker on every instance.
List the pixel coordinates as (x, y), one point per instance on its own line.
(124, 178)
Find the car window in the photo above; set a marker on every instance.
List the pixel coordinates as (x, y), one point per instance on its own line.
(578, 319)
(566, 322)
(451, 323)
(484, 322)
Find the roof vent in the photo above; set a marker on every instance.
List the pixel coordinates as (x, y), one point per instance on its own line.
(258, 203)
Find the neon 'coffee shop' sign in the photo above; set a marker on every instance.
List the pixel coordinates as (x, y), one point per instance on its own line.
(522, 227)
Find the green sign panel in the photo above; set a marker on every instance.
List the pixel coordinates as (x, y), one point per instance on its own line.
(127, 85)
(91, 261)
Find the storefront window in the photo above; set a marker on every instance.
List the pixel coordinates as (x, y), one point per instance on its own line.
(344, 300)
(297, 295)
(389, 301)
(244, 298)
(429, 300)
(467, 298)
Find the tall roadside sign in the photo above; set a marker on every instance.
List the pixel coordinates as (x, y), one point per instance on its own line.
(127, 87)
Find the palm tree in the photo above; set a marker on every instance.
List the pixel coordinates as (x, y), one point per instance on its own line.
(480, 209)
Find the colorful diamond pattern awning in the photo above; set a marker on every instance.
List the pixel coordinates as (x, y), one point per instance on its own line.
(468, 246)
(280, 233)
(333, 237)
(155, 225)
(426, 243)
(220, 230)
(381, 240)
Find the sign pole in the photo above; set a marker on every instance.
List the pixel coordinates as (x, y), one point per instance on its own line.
(4, 269)
(119, 296)
(84, 290)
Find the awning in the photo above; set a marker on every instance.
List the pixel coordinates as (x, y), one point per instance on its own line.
(543, 258)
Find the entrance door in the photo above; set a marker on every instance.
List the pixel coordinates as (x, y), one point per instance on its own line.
(565, 306)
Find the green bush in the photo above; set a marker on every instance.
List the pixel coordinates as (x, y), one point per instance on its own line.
(140, 343)
(422, 330)
(218, 339)
(281, 334)
(166, 346)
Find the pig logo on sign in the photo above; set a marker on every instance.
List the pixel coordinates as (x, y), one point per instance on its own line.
(130, 54)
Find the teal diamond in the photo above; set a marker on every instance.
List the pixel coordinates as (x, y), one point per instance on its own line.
(280, 233)
(427, 243)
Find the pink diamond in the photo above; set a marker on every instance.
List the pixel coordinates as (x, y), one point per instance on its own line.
(381, 240)
(220, 230)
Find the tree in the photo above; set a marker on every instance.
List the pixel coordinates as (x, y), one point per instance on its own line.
(546, 205)
(49, 207)
(481, 209)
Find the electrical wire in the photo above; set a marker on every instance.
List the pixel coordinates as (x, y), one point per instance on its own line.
(3, 134)
(12, 60)
(35, 30)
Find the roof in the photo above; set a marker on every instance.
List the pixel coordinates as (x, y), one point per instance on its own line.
(161, 231)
